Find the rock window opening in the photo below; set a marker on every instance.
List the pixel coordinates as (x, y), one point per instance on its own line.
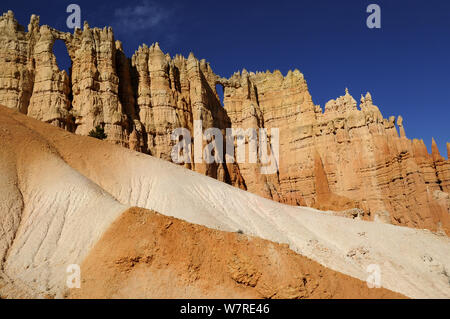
(219, 90)
(62, 56)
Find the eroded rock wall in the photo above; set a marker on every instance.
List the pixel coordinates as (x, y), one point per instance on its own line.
(17, 70)
(344, 157)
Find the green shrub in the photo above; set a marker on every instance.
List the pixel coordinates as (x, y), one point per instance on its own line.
(99, 133)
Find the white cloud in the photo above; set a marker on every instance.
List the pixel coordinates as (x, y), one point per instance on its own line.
(144, 16)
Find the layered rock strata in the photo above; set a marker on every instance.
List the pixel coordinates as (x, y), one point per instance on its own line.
(343, 157)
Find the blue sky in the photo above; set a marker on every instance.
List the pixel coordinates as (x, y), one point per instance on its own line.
(405, 64)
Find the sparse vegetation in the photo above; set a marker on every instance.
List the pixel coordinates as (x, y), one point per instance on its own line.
(98, 133)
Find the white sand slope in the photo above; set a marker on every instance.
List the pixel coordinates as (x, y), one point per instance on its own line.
(413, 262)
(65, 213)
(50, 215)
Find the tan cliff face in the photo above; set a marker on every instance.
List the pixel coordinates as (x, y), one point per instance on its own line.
(345, 156)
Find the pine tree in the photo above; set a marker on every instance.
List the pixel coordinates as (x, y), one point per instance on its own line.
(99, 133)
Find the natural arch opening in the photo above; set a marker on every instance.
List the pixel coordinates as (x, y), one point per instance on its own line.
(62, 56)
(64, 62)
(219, 91)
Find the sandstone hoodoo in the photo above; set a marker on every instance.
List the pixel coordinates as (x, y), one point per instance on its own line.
(342, 157)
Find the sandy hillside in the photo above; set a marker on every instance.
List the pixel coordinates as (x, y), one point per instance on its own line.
(50, 214)
(147, 255)
(61, 192)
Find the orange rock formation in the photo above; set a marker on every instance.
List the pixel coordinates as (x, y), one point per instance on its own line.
(340, 158)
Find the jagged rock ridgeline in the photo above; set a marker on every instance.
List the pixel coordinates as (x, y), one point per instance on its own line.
(137, 101)
(342, 157)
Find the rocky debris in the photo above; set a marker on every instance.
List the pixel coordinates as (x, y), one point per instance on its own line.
(354, 213)
(357, 252)
(243, 272)
(436, 267)
(344, 157)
